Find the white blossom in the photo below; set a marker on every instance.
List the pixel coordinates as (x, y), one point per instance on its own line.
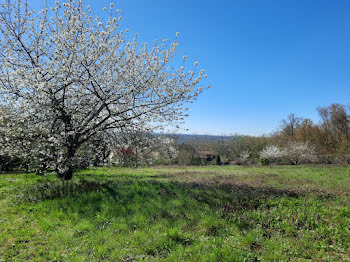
(63, 82)
(271, 153)
(244, 156)
(298, 152)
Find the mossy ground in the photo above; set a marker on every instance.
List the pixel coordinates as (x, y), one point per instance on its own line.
(215, 213)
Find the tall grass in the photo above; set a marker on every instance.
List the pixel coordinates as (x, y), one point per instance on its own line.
(178, 214)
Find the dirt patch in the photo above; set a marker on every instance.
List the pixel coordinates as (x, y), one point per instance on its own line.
(267, 183)
(186, 175)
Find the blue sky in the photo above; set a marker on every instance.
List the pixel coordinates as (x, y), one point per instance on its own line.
(265, 58)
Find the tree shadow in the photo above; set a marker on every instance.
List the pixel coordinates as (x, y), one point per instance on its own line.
(133, 189)
(131, 204)
(125, 204)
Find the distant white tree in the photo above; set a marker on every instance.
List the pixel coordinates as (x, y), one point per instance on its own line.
(166, 150)
(130, 147)
(271, 153)
(140, 147)
(244, 156)
(67, 75)
(298, 152)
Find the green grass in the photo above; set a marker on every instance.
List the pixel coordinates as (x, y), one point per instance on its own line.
(227, 213)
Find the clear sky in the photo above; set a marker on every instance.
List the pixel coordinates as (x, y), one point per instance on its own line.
(265, 58)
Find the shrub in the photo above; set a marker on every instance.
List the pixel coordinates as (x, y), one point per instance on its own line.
(270, 154)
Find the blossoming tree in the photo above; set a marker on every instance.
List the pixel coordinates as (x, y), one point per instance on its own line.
(298, 152)
(70, 75)
(271, 154)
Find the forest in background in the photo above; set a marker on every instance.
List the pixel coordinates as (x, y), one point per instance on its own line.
(329, 140)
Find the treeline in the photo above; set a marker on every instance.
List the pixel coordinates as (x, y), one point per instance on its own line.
(235, 149)
(330, 136)
(297, 140)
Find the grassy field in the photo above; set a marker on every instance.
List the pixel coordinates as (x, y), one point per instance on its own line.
(227, 213)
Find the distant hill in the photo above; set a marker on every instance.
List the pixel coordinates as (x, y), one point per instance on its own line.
(183, 138)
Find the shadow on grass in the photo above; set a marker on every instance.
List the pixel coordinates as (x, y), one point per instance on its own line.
(131, 187)
(129, 203)
(13, 172)
(114, 176)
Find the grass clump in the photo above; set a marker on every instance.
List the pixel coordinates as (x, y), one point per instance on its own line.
(60, 189)
(178, 214)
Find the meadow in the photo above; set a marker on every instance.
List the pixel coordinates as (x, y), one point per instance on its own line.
(213, 213)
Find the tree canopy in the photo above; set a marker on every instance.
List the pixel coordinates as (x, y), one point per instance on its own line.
(66, 75)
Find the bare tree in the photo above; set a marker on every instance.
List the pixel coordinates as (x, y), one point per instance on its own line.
(224, 147)
(289, 125)
(200, 145)
(335, 122)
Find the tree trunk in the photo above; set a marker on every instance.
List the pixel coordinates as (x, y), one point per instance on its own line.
(95, 163)
(69, 174)
(65, 171)
(65, 164)
(41, 169)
